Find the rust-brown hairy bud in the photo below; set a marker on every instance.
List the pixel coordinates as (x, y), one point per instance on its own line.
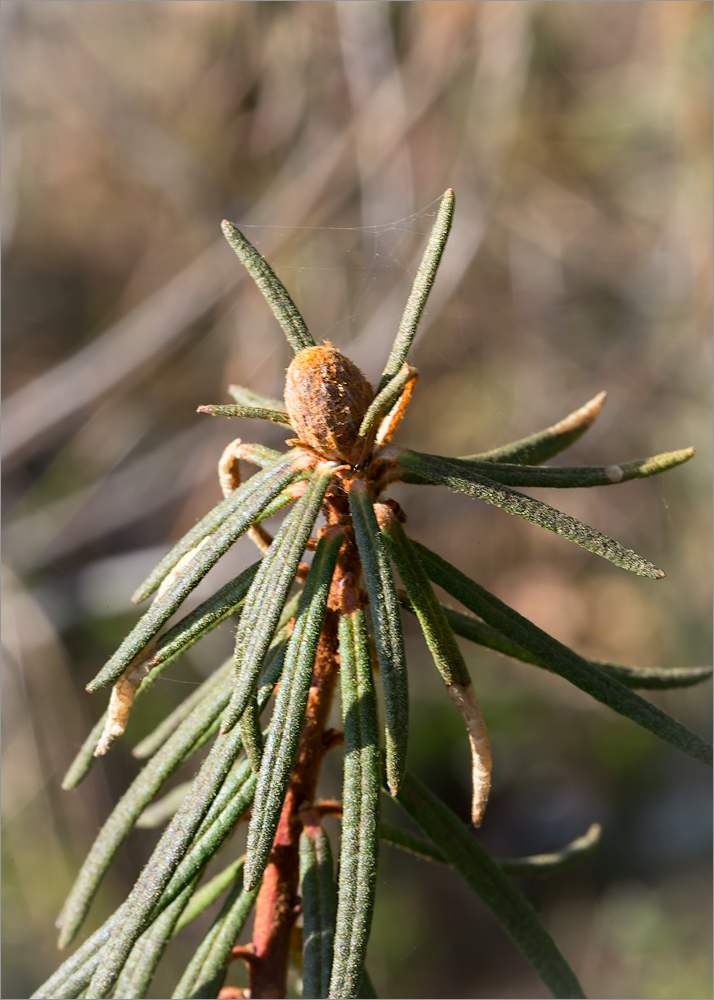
(327, 396)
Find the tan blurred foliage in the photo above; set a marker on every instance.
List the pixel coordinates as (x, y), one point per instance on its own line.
(578, 139)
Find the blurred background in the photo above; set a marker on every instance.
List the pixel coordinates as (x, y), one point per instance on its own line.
(578, 139)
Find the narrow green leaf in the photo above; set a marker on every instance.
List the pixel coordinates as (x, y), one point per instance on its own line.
(146, 954)
(410, 844)
(131, 805)
(445, 652)
(484, 876)
(535, 866)
(557, 658)
(75, 973)
(289, 711)
(251, 734)
(151, 743)
(73, 976)
(230, 801)
(476, 631)
(652, 678)
(186, 986)
(319, 910)
(164, 808)
(564, 477)
(269, 590)
(542, 445)
(142, 902)
(420, 289)
(202, 619)
(384, 609)
(168, 648)
(206, 972)
(385, 399)
(68, 981)
(249, 498)
(82, 763)
(290, 609)
(538, 865)
(236, 410)
(166, 604)
(274, 292)
(186, 740)
(209, 893)
(425, 604)
(280, 501)
(249, 397)
(360, 803)
(458, 477)
(228, 808)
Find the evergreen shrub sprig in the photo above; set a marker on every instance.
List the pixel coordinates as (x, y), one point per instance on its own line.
(302, 630)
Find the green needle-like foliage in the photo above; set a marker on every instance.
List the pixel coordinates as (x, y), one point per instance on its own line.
(460, 476)
(512, 910)
(257, 412)
(319, 910)
(247, 397)
(247, 500)
(268, 593)
(146, 954)
(289, 713)
(252, 735)
(542, 445)
(385, 399)
(184, 742)
(560, 660)
(206, 972)
(275, 293)
(195, 570)
(384, 607)
(652, 678)
(535, 866)
(360, 804)
(420, 289)
(433, 620)
(309, 629)
(209, 893)
(156, 739)
(82, 763)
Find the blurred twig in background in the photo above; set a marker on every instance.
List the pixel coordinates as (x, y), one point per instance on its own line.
(578, 139)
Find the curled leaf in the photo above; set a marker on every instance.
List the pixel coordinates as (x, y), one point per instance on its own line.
(542, 445)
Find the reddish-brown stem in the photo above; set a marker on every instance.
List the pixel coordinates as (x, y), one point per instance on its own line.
(333, 738)
(244, 952)
(277, 905)
(328, 807)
